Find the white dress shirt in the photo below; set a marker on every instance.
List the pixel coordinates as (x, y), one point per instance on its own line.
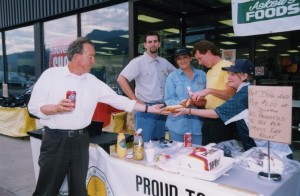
(51, 88)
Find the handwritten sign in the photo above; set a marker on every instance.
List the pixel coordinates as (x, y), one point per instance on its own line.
(270, 113)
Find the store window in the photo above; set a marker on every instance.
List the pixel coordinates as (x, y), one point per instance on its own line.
(278, 58)
(164, 23)
(57, 35)
(1, 65)
(108, 30)
(20, 59)
(1, 55)
(185, 29)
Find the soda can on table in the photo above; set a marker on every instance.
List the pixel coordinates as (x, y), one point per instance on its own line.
(188, 140)
(72, 96)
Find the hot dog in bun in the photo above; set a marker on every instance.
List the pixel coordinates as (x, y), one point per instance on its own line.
(172, 108)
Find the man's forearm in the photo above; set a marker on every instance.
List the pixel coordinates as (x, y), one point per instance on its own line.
(50, 109)
(223, 94)
(124, 84)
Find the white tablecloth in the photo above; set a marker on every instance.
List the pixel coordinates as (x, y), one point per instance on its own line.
(122, 176)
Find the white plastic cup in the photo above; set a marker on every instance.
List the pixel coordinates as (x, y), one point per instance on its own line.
(150, 154)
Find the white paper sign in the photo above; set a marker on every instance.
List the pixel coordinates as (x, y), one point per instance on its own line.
(270, 113)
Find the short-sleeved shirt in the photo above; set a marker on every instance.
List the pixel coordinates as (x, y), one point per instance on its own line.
(216, 79)
(150, 77)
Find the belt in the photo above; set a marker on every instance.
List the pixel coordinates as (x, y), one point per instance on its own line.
(66, 133)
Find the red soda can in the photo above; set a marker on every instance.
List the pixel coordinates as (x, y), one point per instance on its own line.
(72, 96)
(188, 140)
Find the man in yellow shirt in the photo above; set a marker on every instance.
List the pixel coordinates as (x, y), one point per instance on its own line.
(217, 91)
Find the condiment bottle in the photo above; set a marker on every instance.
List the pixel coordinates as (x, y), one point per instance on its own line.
(121, 145)
(138, 145)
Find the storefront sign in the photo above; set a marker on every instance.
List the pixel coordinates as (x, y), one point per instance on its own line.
(58, 52)
(251, 17)
(270, 113)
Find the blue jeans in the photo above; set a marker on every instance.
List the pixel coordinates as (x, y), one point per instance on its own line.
(153, 125)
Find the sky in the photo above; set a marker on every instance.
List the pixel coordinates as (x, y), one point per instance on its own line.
(105, 19)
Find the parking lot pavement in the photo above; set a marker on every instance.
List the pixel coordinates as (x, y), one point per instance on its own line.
(16, 167)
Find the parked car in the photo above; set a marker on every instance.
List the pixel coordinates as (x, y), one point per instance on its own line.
(14, 79)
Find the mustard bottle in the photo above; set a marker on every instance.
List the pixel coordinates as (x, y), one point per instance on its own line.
(121, 145)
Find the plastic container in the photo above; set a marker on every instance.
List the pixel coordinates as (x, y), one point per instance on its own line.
(138, 146)
(226, 164)
(121, 145)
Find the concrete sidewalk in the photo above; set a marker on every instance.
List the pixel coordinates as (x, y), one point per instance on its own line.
(16, 167)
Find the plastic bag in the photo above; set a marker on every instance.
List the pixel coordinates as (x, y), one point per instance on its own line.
(231, 148)
(257, 160)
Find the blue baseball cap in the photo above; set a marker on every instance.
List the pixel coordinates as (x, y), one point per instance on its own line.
(241, 66)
